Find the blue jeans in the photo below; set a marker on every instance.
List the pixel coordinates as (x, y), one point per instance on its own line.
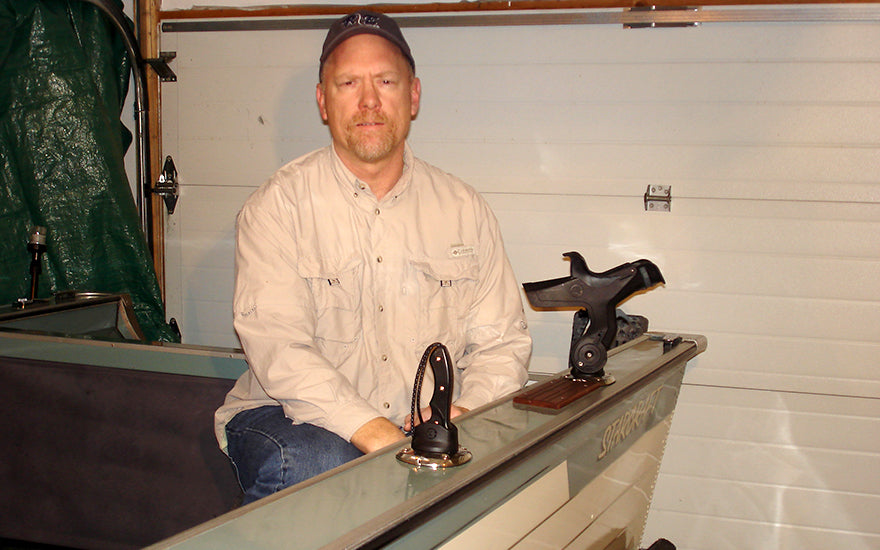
(270, 453)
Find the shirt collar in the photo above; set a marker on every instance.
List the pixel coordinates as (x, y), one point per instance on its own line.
(353, 186)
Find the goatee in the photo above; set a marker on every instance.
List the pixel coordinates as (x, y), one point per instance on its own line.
(371, 144)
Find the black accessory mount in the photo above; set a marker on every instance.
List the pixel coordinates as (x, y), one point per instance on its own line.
(435, 440)
(597, 294)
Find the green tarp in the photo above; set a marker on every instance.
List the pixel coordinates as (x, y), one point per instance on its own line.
(63, 79)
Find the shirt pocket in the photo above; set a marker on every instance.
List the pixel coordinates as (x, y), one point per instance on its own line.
(446, 292)
(336, 289)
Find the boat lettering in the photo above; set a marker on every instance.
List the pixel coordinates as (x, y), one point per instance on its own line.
(628, 421)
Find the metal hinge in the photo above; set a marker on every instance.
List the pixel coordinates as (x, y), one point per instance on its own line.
(166, 187)
(160, 65)
(658, 198)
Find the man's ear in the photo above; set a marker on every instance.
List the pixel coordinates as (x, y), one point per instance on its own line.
(320, 98)
(416, 94)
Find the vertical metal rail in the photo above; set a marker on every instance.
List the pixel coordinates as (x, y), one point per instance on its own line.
(142, 152)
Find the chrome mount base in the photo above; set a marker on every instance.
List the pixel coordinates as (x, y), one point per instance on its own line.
(604, 380)
(434, 461)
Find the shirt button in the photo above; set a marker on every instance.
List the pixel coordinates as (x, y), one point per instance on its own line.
(378, 211)
(384, 357)
(379, 259)
(386, 405)
(355, 194)
(381, 309)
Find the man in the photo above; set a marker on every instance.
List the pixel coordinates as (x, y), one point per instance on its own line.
(350, 261)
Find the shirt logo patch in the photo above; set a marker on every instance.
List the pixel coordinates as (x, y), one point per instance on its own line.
(460, 250)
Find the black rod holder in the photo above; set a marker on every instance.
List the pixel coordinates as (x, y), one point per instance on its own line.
(435, 440)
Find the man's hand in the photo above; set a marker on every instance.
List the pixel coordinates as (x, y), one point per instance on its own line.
(376, 434)
(426, 411)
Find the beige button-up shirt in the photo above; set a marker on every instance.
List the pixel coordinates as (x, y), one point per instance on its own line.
(337, 295)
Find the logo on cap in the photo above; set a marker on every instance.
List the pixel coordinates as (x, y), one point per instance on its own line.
(357, 19)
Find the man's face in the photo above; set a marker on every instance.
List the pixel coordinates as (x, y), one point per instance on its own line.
(368, 96)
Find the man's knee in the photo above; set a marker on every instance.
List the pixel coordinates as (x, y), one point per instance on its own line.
(270, 453)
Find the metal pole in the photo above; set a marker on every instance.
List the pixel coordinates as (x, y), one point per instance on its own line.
(142, 152)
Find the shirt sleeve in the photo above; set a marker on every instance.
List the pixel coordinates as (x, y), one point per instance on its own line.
(498, 344)
(274, 316)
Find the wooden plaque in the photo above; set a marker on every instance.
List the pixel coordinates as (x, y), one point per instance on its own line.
(559, 392)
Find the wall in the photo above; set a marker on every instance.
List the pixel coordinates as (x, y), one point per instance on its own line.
(769, 135)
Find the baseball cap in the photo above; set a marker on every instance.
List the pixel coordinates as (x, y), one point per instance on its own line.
(361, 22)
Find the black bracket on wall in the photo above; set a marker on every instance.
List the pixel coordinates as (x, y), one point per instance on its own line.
(160, 66)
(167, 186)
